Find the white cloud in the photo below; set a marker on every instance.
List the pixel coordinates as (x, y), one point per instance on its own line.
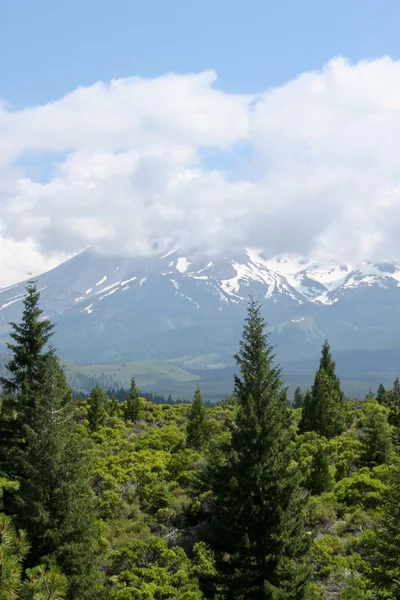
(134, 169)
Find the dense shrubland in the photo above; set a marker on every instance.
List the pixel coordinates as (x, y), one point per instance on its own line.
(249, 499)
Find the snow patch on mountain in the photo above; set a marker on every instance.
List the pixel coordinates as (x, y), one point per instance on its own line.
(108, 287)
(182, 264)
(128, 280)
(102, 280)
(12, 302)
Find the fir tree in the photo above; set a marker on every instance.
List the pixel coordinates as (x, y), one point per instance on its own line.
(28, 356)
(25, 373)
(392, 401)
(258, 534)
(385, 559)
(320, 479)
(132, 405)
(197, 426)
(324, 409)
(114, 408)
(381, 394)
(376, 435)
(55, 502)
(98, 402)
(298, 399)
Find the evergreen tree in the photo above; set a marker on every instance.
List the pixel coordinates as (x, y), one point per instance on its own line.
(55, 502)
(320, 479)
(13, 549)
(298, 399)
(376, 435)
(324, 409)
(98, 402)
(381, 394)
(385, 563)
(44, 584)
(197, 426)
(25, 372)
(28, 356)
(392, 401)
(258, 534)
(132, 406)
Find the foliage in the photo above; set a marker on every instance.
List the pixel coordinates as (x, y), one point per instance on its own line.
(13, 549)
(245, 499)
(25, 373)
(392, 400)
(376, 435)
(132, 404)
(44, 583)
(151, 570)
(98, 403)
(258, 534)
(320, 479)
(324, 409)
(385, 571)
(298, 399)
(197, 425)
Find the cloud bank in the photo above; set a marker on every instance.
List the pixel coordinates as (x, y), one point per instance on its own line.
(137, 165)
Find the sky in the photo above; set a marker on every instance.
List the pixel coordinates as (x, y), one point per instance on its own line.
(132, 126)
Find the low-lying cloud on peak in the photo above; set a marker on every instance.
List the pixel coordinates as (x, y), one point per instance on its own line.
(136, 165)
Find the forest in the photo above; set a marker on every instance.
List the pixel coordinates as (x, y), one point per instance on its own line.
(122, 498)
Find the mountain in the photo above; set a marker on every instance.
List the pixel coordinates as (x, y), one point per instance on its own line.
(189, 311)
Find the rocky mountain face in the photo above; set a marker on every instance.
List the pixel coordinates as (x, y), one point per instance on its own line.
(118, 309)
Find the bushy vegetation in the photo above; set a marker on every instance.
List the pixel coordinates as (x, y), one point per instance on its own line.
(250, 499)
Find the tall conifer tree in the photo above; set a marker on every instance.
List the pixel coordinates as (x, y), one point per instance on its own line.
(25, 374)
(324, 409)
(132, 405)
(197, 426)
(381, 394)
(258, 534)
(54, 502)
(385, 559)
(392, 401)
(298, 398)
(98, 402)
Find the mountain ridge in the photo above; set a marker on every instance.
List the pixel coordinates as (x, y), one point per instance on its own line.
(174, 306)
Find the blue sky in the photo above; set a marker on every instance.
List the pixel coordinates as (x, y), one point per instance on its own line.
(49, 47)
(252, 123)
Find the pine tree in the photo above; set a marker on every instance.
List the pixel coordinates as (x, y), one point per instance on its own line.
(98, 402)
(25, 368)
(298, 399)
(114, 408)
(13, 549)
(385, 563)
(258, 534)
(392, 401)
(324, 409)
(197, 425)
(44, 584)
(320, 479)
(381, 394)
(376, 436)
(132, 406)
(55, 502)
(28, 356)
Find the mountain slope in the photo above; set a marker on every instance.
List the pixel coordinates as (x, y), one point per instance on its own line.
(173, 307)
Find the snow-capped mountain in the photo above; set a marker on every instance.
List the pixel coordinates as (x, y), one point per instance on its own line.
(113, 309)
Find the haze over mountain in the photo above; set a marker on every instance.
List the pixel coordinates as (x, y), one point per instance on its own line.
(189, 311)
